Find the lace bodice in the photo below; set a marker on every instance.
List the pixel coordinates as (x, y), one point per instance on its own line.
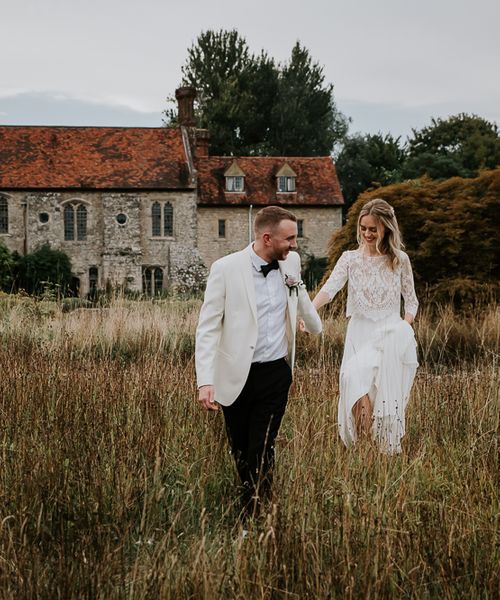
(374, 289)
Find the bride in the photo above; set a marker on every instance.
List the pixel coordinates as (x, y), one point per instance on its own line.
(380, 360)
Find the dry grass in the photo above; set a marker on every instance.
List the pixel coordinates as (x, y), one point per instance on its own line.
(115, 485)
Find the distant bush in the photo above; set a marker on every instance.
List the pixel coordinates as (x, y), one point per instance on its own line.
(7, 265)
(44, 269)
(450, 230)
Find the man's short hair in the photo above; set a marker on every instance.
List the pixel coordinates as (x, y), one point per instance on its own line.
(270, 217)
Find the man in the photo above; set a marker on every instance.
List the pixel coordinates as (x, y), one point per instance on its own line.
(245, 343)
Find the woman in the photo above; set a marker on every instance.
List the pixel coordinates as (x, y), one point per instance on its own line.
(380, 360)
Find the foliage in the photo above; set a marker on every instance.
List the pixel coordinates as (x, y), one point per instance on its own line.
(366, 161)
(7, 265)
(251, 106)
(450, 229)
(44, 268)
(191, 280)
(460, 145)
(455, 147)
(313, 271)
(115, 485)
(305, 120)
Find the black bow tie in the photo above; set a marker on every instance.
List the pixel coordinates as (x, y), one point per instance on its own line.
(269, 267)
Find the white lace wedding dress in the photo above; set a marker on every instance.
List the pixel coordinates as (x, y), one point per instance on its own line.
(380, 356)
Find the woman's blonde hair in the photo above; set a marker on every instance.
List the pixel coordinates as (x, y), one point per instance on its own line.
(390, 244)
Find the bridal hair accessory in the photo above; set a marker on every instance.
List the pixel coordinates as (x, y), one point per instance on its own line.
(292, 284)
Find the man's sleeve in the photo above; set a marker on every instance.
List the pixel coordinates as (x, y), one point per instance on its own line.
(209, 326)
(307, 311)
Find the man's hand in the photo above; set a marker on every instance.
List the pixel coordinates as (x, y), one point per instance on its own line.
(206, 395)
(302, 325)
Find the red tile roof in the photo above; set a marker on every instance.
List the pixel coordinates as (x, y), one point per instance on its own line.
(92, 158)
(316, 184)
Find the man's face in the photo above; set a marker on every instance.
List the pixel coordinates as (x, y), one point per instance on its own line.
(282, 239)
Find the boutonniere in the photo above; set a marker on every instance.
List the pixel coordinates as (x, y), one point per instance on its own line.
(292, 284)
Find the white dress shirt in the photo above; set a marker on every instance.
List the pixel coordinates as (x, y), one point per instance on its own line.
(271, 302)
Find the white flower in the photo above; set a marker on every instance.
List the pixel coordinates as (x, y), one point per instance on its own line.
(293, 284)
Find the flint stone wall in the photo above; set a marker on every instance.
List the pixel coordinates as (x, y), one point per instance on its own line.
(119, 251)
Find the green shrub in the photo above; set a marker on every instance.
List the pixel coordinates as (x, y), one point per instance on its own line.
(45, 269)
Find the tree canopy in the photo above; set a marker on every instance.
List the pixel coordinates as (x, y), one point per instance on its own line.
(252, 106)
(366, 161)
(460, 145)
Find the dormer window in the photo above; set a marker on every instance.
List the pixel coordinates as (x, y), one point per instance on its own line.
(235, 178)
(285, 179)
(234, 184)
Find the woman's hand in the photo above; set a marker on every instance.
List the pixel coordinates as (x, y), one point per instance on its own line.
(409, 319)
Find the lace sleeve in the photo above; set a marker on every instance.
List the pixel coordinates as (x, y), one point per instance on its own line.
(338, 277)
(408, 287)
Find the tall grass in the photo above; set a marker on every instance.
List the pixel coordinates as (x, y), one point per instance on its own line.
(115, 485)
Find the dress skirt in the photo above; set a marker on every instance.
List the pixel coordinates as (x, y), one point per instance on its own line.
(380, 359)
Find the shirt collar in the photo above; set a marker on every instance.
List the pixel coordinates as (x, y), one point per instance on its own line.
(257, 261)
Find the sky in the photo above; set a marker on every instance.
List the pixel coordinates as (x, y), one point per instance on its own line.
(394, 64)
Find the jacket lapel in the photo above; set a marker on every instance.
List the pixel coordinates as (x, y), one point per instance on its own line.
(247, 270)
(291, 312)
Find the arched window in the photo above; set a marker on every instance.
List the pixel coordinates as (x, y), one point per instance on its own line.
(152, 280)
(70, 221)
(93, 280)
(158, 278)
(146, 281)
(156, 219)
(168, 220)
(4, 215)
(162, 219)
(81, 222)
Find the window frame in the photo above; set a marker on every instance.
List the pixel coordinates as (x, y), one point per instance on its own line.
(289, 184)
(162, 219)
(234, 188)
(221, 227)
(4, 215)
(75, 221)
(300, 228)
(152, 276)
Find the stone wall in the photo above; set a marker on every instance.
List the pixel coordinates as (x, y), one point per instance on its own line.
(318, 224)
(119, 251)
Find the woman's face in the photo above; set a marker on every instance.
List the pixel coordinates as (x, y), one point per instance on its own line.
(371, 229)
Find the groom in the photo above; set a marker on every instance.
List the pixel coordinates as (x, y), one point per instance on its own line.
(245, 343)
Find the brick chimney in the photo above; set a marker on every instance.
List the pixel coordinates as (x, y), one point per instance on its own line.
(185, 99)
(202, 138)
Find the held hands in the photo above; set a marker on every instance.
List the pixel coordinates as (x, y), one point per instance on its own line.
(206, 395)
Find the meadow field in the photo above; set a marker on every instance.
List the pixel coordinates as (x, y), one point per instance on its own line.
(114, 484)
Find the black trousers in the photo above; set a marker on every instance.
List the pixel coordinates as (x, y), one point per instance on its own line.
(252, 424)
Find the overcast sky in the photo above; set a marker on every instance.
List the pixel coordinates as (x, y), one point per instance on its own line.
(394, 63)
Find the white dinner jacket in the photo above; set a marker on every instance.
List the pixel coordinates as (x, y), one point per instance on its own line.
(227, 328)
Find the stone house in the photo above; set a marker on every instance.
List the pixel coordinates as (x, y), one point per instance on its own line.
(142, 207)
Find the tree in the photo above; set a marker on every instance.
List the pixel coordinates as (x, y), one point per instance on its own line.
(42, 268)
(460, 145)
(305, 120)
(366, 161)
(251, 106)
